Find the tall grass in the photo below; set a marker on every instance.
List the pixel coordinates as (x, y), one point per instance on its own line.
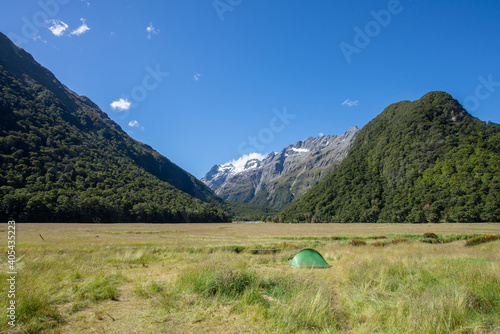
(405, 287)
(287, 303)
(47, 281)
(422, 294)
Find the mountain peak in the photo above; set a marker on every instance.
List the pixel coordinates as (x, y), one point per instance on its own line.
(418, 161)
(287, 174)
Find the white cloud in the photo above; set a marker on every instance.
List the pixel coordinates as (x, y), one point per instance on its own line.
(81, 29)
(86, 2)
(321, 134)
(196, 77)
(121, 104)
(350, 103)
(57, 27)
(133, 124)
(152, 30)
(239, 164)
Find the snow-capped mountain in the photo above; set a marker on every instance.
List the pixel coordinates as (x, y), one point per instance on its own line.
(277, 178)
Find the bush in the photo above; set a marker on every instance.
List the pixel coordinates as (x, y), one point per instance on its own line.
(398, 241)
(377, 237)
(430, 235)
(482, 239)
(379, 244)
(433, 241)
(357, 242)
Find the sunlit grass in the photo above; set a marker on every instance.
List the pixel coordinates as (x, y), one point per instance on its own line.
(80, 284)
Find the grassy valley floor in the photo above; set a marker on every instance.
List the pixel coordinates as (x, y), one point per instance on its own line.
(206, 278)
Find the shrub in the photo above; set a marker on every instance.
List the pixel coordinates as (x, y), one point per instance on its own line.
(379, 244)
(398, 241)
(357, 242)
(482, 239)
(430, 235)
(433, 241)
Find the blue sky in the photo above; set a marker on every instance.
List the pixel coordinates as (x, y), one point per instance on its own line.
(206, 81)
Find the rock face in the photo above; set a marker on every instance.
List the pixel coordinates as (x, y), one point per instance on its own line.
(278, 178)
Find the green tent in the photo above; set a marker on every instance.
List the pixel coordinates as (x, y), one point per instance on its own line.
(308, 258)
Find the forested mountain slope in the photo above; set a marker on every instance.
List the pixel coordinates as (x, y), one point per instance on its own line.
(423, 161)
(63, 159)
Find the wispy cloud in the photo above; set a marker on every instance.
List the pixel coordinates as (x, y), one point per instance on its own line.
(350, 103)
(196, 77)
(121, 105)
(152, 30)
(86, 2)
(133, 124)
(81, 29)
(57, 27)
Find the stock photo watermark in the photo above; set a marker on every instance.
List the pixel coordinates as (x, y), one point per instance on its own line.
(372, 29)
(11, 273)
(151, 81)
(482, 92)
(277, 123)
(223, 6)
(30, 28)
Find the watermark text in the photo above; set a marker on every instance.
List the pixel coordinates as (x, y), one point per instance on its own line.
(11, 273)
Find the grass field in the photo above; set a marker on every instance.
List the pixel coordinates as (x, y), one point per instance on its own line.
(205, 278)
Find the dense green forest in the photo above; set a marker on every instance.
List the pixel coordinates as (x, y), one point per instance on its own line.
(63, 160)
(423, 161)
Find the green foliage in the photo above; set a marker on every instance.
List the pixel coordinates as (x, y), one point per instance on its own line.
(430, 235)
(99, 288)
(149, 289)
(249, 212)
(63, 160)
(218, 282)
(422, 161)
(482, 239)
(36, 312)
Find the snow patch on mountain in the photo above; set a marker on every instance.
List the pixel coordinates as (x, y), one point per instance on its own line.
(241, 179)
(300, 150)
(248, 161)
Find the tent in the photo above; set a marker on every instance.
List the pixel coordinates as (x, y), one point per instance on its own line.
(308, 258)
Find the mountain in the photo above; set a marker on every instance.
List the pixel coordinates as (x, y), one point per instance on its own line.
(277, 179)
(64, 159)
(423, 161)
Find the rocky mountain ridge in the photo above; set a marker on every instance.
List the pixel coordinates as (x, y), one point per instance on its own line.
(276, 179)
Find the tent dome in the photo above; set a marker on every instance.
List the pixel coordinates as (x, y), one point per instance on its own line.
(308, 258)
